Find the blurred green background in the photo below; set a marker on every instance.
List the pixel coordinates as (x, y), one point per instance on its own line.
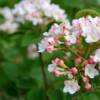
(20, 77)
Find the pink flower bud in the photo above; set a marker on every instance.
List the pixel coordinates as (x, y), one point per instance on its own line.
(67, 43)
(86, 79)
(56, 73)
(78, 51)
(78, 60)
(59, 61)
(86, 62)
(88, 86)
(82, 52)
(49, 49)
(74, 70)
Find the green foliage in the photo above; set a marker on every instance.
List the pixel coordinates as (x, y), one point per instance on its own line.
(87, 12)
(72, 6)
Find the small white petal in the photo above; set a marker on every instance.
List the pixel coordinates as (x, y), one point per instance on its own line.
(71, 86)
(91, 71)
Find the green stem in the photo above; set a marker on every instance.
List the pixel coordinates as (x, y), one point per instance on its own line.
(44, 75)
(76, 54)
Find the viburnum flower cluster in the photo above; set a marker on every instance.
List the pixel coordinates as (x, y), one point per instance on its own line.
(38, 12)
(9, 25)
(80, 44)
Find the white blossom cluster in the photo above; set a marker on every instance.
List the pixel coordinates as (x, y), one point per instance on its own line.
(38, 12)
(9, 25)
(89, 28)
(86, 27)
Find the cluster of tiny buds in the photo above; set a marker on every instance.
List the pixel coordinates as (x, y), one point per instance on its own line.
(58, 68)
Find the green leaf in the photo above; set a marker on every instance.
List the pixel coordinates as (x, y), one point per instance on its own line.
(36, 94)
(3, 78)
(70, 3)
(87, 12)
(10, 70)
(89, 96)
(55, 94)
(27, 39)
(26, 82)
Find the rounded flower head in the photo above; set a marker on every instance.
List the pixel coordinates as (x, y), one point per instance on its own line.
(80, 39)
(39, 12)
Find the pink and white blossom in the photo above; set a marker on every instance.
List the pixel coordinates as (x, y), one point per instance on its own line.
(96, 57)
(77, 39)
(9, 25)
(91, 71)
(55, 69)
(71, 38)
(71, 86)
(89, 29)
(32, 52)
(38, 12)
(47, 44)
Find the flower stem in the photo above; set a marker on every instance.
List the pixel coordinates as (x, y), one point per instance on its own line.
(72, 52)
(76, 54)
(44, 75)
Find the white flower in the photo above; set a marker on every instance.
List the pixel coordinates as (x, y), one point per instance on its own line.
(91, 71)
(7, 13)
(43, 45)
(54, 11)
(96, 58)
(32, 51)
(71, 86)
(52, 67)
(71, 38)
(76, 29)
(9, 25)
(69, 74)
(89, 29)
(47, 44)
(55, 31)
